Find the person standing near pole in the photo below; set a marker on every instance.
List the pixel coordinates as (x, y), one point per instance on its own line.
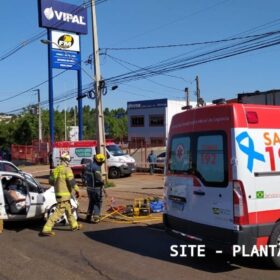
(95, 188)
(152, 161)
(62, 178)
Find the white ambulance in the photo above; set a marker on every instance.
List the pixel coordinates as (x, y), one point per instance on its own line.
(222, 177)
(118, 162)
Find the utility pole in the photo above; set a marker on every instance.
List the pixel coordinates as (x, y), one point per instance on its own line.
(101, 141)
(65, 124)
(39, 116)
(187, 97)
(197, 91)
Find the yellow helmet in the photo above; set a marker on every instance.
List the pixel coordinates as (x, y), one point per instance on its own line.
(100, 158)
(65, 157)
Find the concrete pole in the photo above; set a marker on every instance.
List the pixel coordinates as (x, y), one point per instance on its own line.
(39, 116)
(197, 91)
(65, 124)
(101, 141)
(187, 96)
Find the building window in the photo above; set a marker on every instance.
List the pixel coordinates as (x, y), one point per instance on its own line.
(137, 142)
(157, 120)
(157, 142)
(136, 121)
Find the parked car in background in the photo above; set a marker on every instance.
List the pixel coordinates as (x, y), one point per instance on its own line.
(9, 166)
(160, 163)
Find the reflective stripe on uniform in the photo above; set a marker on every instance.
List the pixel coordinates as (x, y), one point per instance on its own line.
(58, 172)
(69, 175)
(62, 194)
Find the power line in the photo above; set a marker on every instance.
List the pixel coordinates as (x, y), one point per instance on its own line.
(248, 45)
(191, 44)
(138, 67)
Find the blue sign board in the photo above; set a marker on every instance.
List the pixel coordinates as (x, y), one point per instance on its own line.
(62, 16)
(65, 59)
(155, 103)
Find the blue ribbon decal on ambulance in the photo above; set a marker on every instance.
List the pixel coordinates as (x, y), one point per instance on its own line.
(249, 150)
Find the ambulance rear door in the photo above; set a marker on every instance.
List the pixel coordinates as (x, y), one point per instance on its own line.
(198, 188)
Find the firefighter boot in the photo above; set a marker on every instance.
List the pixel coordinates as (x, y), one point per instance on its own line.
(96, 219)
(88, 219)
(47, 233)
(78, 227)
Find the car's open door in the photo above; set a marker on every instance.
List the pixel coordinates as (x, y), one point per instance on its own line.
(34, 200)
(3, 213)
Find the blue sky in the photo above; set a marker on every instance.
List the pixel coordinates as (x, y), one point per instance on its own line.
(140, 23)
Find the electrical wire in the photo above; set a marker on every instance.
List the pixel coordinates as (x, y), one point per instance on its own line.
(252, 44)
(189, 44)
(249, 45)
(119, 61)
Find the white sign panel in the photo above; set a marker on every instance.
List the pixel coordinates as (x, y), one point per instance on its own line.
(74, 133)
(65, 41)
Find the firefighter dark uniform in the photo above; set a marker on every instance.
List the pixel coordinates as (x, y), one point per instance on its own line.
(95, 188)
(63, 180)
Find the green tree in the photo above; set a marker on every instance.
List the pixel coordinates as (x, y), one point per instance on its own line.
(23, 129)
(23, 132)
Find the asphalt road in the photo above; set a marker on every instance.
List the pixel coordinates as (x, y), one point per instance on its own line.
(115, 250)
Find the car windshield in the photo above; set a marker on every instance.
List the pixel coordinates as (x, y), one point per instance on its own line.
(115, 150)
(31, 179)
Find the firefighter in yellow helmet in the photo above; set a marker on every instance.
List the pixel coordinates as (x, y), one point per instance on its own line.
(63, 180)
(95, 188)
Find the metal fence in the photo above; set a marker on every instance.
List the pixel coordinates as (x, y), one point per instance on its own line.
(36, 153)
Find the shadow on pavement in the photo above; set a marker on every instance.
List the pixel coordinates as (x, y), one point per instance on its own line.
(155, 243)
(18, 226)
(152, 241)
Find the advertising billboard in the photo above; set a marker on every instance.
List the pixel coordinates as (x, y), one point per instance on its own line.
(62, 16)
(65, 41)
(65, 60)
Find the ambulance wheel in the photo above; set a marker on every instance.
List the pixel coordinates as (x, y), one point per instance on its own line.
(114, 173)
(275, 240)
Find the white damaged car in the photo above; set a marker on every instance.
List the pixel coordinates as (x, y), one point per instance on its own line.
(22, 197)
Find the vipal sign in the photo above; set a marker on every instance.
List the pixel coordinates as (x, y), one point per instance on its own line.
(62, 16)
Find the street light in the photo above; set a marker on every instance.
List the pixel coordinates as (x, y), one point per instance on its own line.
(46, 42)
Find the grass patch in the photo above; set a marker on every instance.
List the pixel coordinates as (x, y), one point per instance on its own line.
(109, 184)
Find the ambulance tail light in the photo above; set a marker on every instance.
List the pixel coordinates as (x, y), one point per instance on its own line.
(240, 209)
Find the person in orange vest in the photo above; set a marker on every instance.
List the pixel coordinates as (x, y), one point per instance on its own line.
(62, 178)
